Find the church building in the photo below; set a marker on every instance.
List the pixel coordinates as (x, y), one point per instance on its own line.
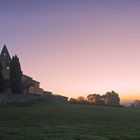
(29, 85)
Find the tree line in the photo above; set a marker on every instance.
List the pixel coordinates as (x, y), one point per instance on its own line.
(15, 73)
(110, 98)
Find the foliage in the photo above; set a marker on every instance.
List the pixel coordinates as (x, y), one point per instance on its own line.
(78, 100)
(72, 100)
(111, 98)
(81, 99)
(136, 104)
(95, 98)
(15, 75)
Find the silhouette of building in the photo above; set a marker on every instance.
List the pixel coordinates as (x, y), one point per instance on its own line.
(28, 84)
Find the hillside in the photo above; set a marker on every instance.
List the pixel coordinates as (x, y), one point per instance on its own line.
(68, 122)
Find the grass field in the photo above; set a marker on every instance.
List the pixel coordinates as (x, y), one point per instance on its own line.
(68, 122)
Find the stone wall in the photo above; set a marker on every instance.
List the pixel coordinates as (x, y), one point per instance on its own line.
(18, 98)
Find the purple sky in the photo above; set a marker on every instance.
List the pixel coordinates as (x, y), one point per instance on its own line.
(76, 47)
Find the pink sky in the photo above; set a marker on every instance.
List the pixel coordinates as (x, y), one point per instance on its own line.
(75, 48)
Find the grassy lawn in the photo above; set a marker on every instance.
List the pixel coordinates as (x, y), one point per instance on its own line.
(68, 122)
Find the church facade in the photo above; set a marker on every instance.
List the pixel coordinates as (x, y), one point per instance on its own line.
(29, 85)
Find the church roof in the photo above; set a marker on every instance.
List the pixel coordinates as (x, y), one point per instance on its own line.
(26, 77)
(5, 52)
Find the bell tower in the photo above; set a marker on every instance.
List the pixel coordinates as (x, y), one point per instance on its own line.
(5, 61)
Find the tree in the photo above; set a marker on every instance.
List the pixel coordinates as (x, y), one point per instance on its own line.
(72, 100)
(1, 79)
(81, 99)
(15, 75)
(95, 98)
(111, 98)
(78, 100)
(136, 104)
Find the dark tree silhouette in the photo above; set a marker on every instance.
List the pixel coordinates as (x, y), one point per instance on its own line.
(72, 100)
(15, 75)
(111, 98)
(81, 99)
(1, 78)
(95, 98)
(136, 104)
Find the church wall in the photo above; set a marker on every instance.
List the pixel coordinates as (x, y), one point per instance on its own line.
(35, 90)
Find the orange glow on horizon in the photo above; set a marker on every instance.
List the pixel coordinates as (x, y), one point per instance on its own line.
(128, 97)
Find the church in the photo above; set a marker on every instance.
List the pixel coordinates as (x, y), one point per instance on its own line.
(29, 85)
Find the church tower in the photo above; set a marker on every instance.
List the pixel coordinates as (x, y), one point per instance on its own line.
(5, 61)
(29, 86)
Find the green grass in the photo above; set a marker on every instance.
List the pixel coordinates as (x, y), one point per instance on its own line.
(44, 121)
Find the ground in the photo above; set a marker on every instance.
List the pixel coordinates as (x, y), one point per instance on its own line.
(44, 121)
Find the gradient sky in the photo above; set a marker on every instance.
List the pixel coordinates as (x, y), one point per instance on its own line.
(76, 47)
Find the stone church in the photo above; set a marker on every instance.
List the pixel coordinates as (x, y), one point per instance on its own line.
(29, 85)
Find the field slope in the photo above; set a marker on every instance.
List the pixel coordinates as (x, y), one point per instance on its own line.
(68, 122)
